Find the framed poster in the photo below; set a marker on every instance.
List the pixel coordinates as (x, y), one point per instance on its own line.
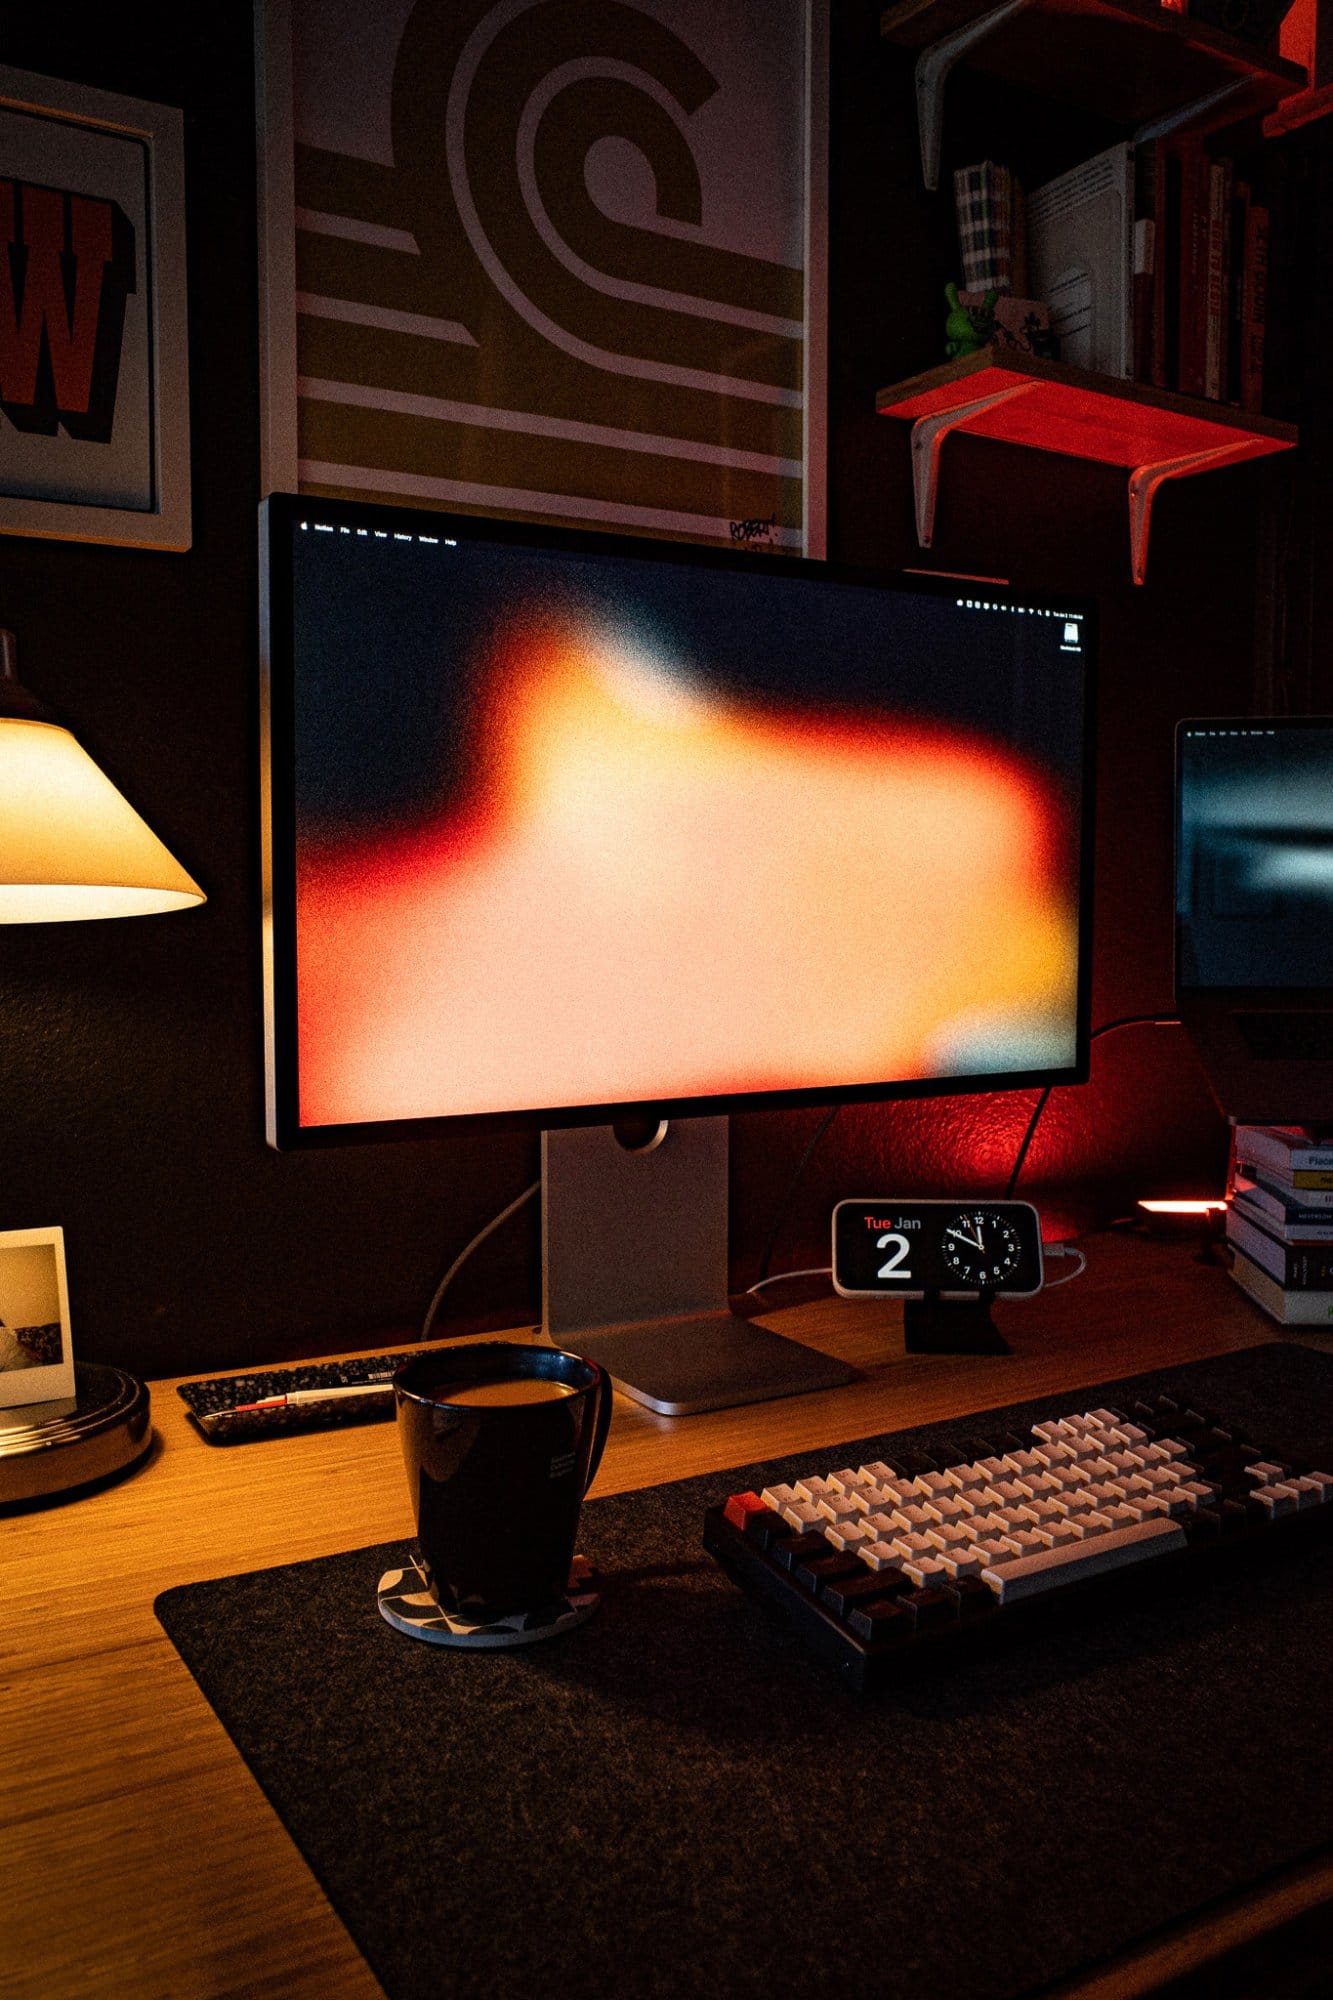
(94, 386)
(551, 259)
(36, 1358)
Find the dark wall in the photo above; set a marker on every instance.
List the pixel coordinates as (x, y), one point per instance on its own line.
(130, 1052)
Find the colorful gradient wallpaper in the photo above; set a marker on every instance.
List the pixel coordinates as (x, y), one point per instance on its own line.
(576, 829)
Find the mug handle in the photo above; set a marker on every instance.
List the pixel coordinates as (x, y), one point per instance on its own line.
(603, 1422)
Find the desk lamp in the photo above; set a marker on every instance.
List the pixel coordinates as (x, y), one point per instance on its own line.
(71, 847)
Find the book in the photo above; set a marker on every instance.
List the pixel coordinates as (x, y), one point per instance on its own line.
(1293, 1221)
(1254, 307)
(1297, 1267)
(1166, 325)
(1240, 213)
(1315, 1199)
(1080, 238)
(1018, 237)
(1148, 255)
(1218, 274)
(1301, 1182)
(1290, 1308)
(983, 204)
(1192, 274)
(1285, 1150)
(1145, 254)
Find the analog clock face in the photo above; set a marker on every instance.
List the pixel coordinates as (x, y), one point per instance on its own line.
(981, 1248)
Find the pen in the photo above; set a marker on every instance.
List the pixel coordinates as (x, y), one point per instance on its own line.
(315, 1396)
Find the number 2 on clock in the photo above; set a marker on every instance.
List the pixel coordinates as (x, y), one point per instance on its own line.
(890, 1267)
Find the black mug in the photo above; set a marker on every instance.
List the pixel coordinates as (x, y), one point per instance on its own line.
(501, 1442)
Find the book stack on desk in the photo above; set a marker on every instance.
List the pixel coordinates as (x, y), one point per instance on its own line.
(1280, 1223)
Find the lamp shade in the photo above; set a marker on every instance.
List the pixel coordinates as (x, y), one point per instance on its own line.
(71, 845)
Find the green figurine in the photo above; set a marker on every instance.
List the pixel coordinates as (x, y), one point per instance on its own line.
(967, 327)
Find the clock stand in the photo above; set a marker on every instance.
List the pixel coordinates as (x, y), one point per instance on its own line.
(946, 1260)
(937, 1325)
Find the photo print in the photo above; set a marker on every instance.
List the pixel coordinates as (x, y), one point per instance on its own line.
(36, 1356)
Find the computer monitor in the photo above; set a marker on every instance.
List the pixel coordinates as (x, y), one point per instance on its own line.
(1254, 911)
(606, 835)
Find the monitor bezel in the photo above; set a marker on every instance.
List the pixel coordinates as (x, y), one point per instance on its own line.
(285, 1131)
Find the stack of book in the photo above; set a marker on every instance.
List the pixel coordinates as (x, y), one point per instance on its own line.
(1280, 1222)
(1200, 278)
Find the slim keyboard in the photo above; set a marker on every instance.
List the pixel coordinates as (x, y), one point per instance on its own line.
(881, 1563)
(230, 1409)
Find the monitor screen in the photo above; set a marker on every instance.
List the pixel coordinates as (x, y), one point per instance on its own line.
(1254, 912)
(1254, 854)
(561, 824)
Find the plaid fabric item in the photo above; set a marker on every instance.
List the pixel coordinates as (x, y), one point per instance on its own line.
(983, 200)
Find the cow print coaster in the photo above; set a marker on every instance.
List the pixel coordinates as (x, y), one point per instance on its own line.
(408, 1602)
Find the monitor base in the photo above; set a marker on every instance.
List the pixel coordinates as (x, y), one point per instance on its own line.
(634, 1270)
(707, 1361)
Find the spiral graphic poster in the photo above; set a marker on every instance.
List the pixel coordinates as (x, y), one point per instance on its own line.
(551, 259)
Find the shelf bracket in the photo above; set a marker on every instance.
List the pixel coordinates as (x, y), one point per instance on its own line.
(928, 435)
(932, 69)
(1201, 108)
(1145, 480)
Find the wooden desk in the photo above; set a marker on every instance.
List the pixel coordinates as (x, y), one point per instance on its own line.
(137, 1855)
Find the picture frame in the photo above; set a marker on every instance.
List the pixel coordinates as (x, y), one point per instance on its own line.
(36, 1351)
(659, 363)
(94, 370)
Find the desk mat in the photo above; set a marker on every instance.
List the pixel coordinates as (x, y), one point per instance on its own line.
(674, 1800)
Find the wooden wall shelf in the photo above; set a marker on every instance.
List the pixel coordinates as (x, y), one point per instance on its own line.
(1046, 406)
(1133, 62)
(1303, 109)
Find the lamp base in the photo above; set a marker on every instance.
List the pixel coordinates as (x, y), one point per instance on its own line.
(43, 1456)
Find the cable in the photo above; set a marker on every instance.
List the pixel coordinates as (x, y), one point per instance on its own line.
(792, 1186)
(464, 1254)
(1012, 1182)
(814, 1271)
(1107, 1027)
(1069, 1277)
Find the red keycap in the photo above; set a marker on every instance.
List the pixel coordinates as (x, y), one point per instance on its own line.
(740, 1507)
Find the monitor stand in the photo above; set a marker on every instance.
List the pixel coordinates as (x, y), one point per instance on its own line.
(634, 1270)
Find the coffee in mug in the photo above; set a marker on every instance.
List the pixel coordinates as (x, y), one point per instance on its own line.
(530, 1389)
(500, 1442)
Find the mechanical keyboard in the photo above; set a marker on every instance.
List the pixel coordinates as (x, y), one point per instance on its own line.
(879, 1564)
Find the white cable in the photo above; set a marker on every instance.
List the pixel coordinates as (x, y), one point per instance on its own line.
(1069, 1276)
(815, 1271)
(463, 1255)
(779, 1277)
(825, 1270)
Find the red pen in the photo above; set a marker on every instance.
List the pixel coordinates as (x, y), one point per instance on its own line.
(316, 1396)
